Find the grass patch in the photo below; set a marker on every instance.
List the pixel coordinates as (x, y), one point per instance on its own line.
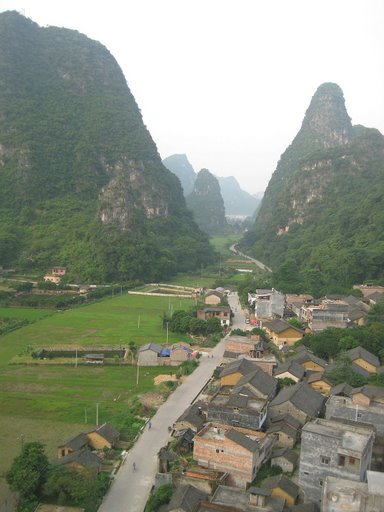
(25, 313)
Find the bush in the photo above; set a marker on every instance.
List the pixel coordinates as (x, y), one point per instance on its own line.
(160, 497)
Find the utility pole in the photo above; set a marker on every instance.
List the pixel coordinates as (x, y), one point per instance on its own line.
(138, 322)
(137, 373)
(167, 332)
(97, 414)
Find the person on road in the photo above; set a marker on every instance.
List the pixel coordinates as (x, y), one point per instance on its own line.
(134, 466)
(149, 426)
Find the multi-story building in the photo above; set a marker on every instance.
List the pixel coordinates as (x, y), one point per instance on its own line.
(333, 448)
(238, 451)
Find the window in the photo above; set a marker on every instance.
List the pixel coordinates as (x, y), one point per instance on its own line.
(321, 482)
(341, 460)
(359, 415)
(324, 460)
(352, 461)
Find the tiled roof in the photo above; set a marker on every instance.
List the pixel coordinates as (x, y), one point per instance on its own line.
(341, 389)
(242, 366)
(280, 326)
(259, 380)
(151, 346)
(286, 418)
(284, 483)
(362, 353)
(292, 367)
(283, 427)
(242, 440)
(75, 443)
(83, 457)
(186, 498)
(301, 396)
(107, 432)
(288, 454)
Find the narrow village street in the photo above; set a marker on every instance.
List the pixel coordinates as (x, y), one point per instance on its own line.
(130, 489)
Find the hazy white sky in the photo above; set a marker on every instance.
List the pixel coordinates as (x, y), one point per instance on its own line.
(227, 82)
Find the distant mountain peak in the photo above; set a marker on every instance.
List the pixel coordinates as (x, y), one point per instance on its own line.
(327, 121)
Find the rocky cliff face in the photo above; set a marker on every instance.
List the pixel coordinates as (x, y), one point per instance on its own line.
(315, 196)
(79, 164)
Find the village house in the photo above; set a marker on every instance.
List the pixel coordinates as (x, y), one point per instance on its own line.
(283, 488)
(238, 410)
(309, 361)
(186, 498)
(364, 359)
(341, 494)
(289, 370)
(80, 460)
(282, 333)
(213, 297)
(319, 382)
(333, 448)
(56, 274)
(232, 499)
(223, 313)
(285, 435)
(285, 458)
(72, 445)
(368, 289)
(257, 384)
(299, 400)
(148, 355)
(180, 352)
(194, 418)
(104, 436)
(238, 451)
(231, 373)
(294, 302)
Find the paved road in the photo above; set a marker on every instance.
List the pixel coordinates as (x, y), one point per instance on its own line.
(256, 262)
(130, 490)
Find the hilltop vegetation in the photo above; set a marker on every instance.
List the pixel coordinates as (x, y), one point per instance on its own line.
(320, 222)
(82, 184)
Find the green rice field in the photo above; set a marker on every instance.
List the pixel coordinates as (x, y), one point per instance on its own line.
(51, 402)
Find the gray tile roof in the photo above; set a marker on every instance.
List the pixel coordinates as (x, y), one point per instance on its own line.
(260, 380)
(292, 367)
(242, 440)
(305, 356)
(242, 366)
(151, 346)
(360, 352)
(341, 389)
(83, 457)
(75, 443)
(108, 432)
(193, 415)
(286, 453)
(283, 482)
(288, 419)
(186, 499)
(283, 427)
(371, 391)
(279, 326)
(302, 396)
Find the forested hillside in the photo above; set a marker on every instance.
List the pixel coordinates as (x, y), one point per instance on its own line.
(207, 205)
(320, 225)
(81, 182)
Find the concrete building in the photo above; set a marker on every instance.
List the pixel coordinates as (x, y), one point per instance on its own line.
(333, 448)
(268, 303)
(238, 451)
(365, 405)
(340, 495)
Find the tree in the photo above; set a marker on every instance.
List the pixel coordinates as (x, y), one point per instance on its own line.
(28, 471)
(132, 350)
(295, 322)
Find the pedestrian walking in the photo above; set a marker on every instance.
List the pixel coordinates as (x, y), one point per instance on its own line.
(149, 426)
